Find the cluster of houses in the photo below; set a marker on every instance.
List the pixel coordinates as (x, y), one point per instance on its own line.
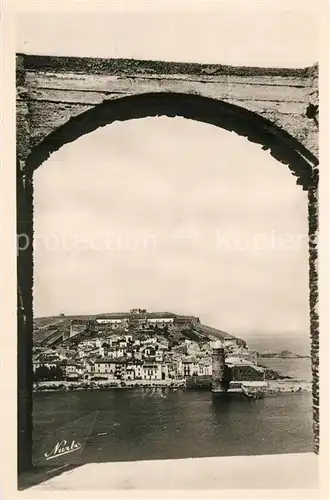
(106, 349)
(121, 357)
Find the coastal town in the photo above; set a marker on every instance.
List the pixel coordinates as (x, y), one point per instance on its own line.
(135, 346)
(138, 348)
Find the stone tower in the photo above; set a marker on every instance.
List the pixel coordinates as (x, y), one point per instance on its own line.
(218, 368)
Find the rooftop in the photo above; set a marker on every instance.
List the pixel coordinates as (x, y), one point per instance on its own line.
(113, 316)
(190, 360)
(116, 361)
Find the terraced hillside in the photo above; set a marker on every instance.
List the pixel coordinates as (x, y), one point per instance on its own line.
(50, 330)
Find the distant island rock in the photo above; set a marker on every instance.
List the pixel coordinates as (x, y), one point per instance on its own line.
(285, 354)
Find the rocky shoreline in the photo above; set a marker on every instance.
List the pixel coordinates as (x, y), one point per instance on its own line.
(278, 386)
(274, 386)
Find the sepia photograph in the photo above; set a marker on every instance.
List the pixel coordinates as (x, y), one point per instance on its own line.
(167, 246)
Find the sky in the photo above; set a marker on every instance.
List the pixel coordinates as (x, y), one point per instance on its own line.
(171, 214)
(176, 215)
(265, 33)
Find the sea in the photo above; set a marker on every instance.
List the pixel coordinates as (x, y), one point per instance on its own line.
(150, 424)
(296, 343)
(297, 368)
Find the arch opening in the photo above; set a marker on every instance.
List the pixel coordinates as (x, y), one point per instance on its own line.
(158, 177)
(283, 147)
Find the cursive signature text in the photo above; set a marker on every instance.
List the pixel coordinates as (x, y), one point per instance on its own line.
(62, 448)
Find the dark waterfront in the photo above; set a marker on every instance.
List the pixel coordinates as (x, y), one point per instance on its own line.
(136, 424)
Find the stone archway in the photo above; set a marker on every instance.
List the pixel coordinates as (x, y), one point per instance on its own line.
(32, 153)
(282, 146)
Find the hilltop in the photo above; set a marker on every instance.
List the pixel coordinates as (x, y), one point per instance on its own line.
(55, 329)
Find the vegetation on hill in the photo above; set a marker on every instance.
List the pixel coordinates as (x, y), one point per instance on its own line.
(43, 373)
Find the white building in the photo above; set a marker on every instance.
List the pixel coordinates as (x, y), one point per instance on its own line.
(205, 368)
(188, 367)
(116, 353)
(129, 372)
(109, 321)
(113, 321)
(152, 371)
(159, 356)
(161, 321)
(105, 367)
(138, 368)
(72, 370)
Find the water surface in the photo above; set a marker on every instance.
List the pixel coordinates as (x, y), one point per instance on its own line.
(134, 424)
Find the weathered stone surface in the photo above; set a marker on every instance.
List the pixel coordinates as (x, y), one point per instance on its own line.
(58, 88)
(280, 95)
